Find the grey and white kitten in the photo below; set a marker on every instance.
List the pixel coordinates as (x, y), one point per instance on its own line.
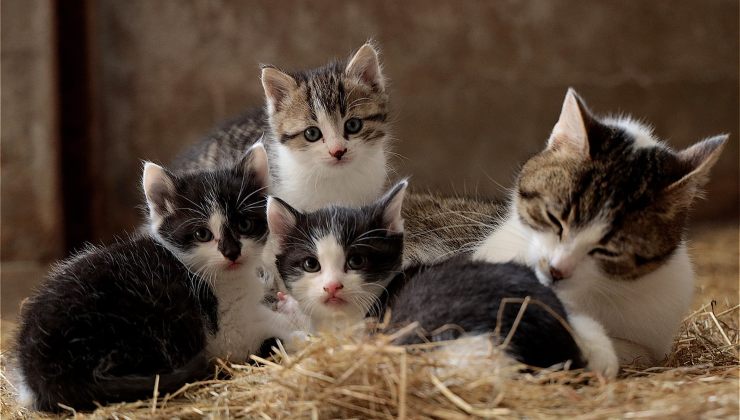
(600, 214)
(326, 131)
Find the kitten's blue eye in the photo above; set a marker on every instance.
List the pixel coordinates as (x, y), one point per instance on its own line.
(312, 134)
(203, 235)
(245, 226)
(311, 265)
(356, 262)
(353, 125)
(603, 252)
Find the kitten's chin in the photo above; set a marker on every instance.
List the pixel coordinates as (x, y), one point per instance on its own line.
(334, 163)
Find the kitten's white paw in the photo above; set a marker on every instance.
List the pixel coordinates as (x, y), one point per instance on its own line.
(596, 346)
(295, 341)
(286, 303)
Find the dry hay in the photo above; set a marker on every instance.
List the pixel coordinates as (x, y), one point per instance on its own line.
(341, 377)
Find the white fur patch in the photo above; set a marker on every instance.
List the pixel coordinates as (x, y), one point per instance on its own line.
(641, 132)
(312, 179)
(24, 396)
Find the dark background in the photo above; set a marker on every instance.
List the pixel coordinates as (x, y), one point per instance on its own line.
(90, 88)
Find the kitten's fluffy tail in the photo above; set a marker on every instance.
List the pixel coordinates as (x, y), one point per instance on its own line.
(134, 387)
(107, 388)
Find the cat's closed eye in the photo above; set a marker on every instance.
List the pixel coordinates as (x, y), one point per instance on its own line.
(603, 252)
(311, 265)
(556, 223)
(203, 235)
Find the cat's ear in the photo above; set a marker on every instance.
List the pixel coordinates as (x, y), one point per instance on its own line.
(159, 189)
(255, 162)
(391, 203)
(570, 133)
(281, 219)
(698, 160)
(278, 86)
(366, 66)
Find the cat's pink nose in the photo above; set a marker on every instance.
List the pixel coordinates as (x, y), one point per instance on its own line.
(559, 273)
(338, 153)
(333, 287)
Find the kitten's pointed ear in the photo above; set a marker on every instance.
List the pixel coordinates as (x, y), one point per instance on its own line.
(278, 86)
(392, 203)
(281, 219)
(699, 159)
(366, 66)
(159, 189)
(570, 133)
(255, 162)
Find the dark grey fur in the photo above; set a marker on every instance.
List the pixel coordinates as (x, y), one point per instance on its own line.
(468, 295)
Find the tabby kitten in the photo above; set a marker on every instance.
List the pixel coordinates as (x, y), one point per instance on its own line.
(600, 215)
(326, 131)
(106, 322)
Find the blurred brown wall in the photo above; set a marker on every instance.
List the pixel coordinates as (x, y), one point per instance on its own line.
(476, 85)
(31, 225)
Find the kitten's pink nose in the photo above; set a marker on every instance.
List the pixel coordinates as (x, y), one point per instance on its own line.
(333, 287)
(338, 153)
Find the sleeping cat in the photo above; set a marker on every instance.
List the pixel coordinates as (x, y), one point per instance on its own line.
(600, 215)
(326, 131)
(342, 264)
(108, 320)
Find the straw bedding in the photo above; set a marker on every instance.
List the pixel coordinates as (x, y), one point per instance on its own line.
(346, 377)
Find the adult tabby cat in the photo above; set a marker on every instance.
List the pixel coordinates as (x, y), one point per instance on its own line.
(600, 215)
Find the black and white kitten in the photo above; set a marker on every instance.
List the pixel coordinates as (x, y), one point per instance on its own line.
(337, 261)
(326, 131)
(340, 264)
(107, 321)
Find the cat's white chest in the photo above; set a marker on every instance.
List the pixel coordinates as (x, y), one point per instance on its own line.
(308, 185)
(646, 311)
(240, 321)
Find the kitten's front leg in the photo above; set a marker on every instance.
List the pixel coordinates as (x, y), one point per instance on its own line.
(596, 346)
(291, 327)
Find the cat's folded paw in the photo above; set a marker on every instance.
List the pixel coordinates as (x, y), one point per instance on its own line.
(603, 361)
(597, 348)
(287, 304)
